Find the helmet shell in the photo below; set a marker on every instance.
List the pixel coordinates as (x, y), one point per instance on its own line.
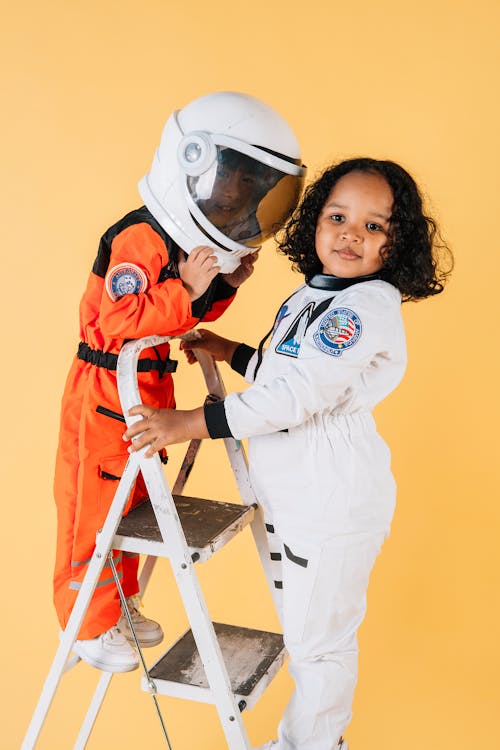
(189, 144)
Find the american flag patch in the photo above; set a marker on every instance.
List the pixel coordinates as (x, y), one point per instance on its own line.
(338, 330)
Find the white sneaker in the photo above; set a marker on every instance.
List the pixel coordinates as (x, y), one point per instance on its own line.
(148, 632)
(110, 652)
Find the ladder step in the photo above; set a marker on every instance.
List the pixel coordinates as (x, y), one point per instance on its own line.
(252, 658)
(207, 524)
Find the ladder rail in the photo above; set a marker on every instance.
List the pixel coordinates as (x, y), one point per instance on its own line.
(239, 464)
(149, 563)
(97, 562)
(178, 552)
(89, 583)
(93, 710)
(182, 477)
(182, 565)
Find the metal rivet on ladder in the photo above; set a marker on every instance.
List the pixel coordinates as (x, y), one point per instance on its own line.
(231, 718)
(183, 566)
(151, 687)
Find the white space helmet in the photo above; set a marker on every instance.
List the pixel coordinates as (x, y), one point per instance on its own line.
(227, 173)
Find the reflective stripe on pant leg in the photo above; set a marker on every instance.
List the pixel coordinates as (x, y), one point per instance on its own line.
(276, 555)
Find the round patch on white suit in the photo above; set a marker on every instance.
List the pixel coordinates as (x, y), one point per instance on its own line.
(338, 330)
(125, 278)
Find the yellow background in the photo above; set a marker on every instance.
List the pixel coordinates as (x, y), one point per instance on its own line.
(87, 87)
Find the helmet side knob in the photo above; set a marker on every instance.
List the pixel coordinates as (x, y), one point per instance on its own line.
(196, 153)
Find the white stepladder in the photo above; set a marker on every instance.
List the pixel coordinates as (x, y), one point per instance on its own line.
(226, 665)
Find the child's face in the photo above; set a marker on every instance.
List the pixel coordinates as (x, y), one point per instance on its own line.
(353, 226)
(232, 192)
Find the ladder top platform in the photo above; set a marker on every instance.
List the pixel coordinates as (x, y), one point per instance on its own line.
(207, 526)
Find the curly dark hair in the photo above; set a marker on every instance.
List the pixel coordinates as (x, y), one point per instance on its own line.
(418, 261)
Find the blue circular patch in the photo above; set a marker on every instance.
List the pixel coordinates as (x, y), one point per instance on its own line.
(338, 330)
(125, 278)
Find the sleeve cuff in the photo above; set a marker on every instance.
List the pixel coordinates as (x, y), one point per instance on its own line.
(224, 290)
(215, 418)
(241, 357)
(199, 306)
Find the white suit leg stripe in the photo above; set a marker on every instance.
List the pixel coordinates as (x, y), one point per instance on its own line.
(294, 558)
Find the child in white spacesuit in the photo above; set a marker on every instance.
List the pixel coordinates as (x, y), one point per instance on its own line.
(318, 466)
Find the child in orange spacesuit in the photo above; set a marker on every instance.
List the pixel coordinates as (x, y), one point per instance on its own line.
(159, 270)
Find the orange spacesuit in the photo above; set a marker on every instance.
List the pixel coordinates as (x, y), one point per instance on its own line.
(134, 290)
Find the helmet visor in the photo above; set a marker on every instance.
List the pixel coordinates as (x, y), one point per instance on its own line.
(246, 200)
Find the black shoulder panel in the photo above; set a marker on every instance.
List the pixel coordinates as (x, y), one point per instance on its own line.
(139, 216)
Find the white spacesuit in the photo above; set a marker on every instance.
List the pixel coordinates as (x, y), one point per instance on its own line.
(322, 474)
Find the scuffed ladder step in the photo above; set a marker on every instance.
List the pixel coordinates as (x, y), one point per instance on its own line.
(252, 659)
(207, 524)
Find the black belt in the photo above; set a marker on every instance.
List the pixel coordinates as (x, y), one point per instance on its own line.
(109, 361)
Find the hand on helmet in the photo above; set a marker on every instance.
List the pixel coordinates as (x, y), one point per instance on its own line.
(198, 270)
(244, 270)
